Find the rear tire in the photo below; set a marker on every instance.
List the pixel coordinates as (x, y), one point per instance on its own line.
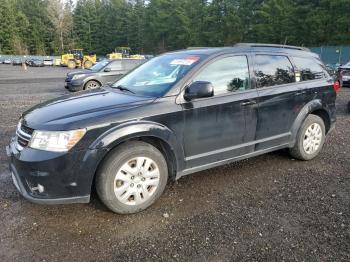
(310, 139)
(132, 178)
(92, 84)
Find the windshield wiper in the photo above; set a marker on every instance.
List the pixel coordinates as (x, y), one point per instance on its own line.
(123, 88)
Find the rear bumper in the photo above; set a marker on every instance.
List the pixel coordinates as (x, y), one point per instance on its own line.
(346, 83)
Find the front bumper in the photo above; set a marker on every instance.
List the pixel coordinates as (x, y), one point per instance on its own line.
(74, 85)
(52, 178)
(46, 201)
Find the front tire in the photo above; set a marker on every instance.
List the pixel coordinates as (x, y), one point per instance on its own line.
(132, 177)
(92, 84)
(71, 64)
(310, 139)
(88, 64)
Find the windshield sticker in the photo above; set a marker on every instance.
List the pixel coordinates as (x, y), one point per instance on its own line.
(186, 61)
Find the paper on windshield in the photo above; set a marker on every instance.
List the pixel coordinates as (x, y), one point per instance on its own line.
(185, 61)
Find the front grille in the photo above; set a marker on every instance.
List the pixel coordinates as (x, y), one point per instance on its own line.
(23, 136)
(27, 130)
(22, 142)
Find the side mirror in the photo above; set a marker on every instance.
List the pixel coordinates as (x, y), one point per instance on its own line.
(199, 89)
(107, 69)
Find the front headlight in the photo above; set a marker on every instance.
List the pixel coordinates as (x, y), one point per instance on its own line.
(75, 77)
(56, 141)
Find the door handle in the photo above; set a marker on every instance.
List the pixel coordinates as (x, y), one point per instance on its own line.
(248, 103)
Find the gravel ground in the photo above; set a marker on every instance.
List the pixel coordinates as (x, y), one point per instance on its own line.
(269, 208)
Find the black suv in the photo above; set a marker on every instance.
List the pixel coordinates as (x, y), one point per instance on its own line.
(179, 113)
(100, 74)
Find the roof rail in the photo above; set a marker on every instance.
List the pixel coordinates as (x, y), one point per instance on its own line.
(197, 47)
(271, 45)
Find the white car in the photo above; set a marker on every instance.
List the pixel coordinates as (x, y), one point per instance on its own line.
(7, 61)
(48, 62)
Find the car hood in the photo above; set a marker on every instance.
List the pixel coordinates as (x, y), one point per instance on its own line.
(80, 72)
(82, 109)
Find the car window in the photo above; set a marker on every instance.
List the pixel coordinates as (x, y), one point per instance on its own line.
(130, 64)
(97, 67)
(309, 69)
(227, 74)
(157, 76)
(273, 70)
(115, 65)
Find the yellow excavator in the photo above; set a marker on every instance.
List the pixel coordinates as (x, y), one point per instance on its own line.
(123, 52)
(76, 58)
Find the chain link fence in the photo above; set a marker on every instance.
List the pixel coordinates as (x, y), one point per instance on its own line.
(333, 54)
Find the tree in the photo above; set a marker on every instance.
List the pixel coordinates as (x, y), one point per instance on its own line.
(8, 27)
(155, 26)
(60, 14)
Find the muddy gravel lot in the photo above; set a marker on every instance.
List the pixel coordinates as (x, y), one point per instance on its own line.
(269, 208)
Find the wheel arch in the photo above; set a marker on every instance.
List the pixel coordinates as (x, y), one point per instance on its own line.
(324, 115)
(155, 134)
(314, 107)
(91, 79)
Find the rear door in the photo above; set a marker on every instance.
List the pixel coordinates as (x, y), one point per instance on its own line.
(277, 91)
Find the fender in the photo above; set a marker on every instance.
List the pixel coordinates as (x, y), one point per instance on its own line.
(135, 129)
(304, 112)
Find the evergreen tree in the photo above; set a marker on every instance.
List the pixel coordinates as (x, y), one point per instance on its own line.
(7, 27)
(155, 26)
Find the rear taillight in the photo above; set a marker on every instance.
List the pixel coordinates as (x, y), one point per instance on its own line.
(336, 86)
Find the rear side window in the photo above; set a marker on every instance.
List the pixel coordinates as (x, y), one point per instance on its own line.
(309, 69)
(129, 64)
(272, 70)
(115, 66)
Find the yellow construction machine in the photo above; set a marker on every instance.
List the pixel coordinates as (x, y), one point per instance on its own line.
(76, 58)
(123, 52)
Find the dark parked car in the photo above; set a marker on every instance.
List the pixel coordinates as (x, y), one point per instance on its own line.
(100, 74)
(344, 74)
(17, 61)
(34, 62)
(177, 114)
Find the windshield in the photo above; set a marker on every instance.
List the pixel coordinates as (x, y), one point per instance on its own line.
(97, 67)
(348, 64)
(155, 77)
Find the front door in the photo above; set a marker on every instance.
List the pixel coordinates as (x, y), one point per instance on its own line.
(116, 71)
(220, 127)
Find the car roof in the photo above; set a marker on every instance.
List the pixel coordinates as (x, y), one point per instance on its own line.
(249, 47)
